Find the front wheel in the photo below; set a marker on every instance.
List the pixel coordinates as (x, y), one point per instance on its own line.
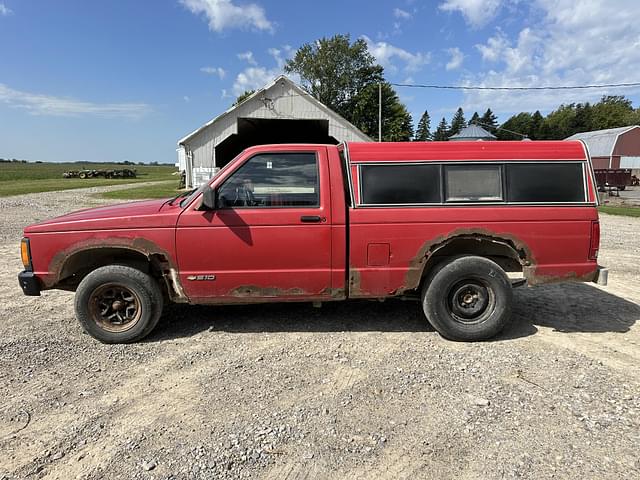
(118, 304)
(468, 298)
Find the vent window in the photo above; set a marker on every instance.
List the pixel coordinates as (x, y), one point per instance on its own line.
(473, 183)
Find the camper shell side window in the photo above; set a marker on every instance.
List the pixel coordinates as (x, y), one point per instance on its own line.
(476, 183)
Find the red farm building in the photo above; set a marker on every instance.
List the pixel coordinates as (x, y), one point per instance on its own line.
(613, 148)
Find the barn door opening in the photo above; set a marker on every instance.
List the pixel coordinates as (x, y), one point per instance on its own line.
(261, 131)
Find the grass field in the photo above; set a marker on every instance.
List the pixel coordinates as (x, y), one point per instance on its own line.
(21, 178)
(618, 210)
(155, 190)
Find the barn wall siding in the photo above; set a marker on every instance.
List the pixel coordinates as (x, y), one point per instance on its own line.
(628, 144)
(600, 162)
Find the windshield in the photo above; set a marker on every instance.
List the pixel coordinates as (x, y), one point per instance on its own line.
(194, 193)
(180, 195)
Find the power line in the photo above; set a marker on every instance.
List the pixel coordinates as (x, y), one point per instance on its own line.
(498, 127)
(549, 87)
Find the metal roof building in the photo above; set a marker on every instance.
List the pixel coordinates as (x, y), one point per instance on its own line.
(472, 132)
(279, 112)
(613, 147)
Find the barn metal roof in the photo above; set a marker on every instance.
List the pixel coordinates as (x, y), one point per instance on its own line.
(601, 142)
(472, 132)
(339, 119)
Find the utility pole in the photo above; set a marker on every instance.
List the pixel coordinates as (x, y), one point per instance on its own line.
(380, 111)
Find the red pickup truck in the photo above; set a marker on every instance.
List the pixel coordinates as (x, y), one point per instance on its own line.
(453, 224)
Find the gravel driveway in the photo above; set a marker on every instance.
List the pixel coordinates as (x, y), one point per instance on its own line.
(351, 390)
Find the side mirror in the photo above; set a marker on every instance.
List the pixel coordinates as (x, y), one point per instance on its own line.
(208, 198)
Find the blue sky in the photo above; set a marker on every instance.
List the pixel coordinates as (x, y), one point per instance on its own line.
(123, 80)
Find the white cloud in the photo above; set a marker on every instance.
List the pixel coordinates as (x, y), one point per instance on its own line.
(574, 43)
(385, 53)
(248, 57)
(4, 10)
(399, 13)
(186, 98)
(476, 13)
(457, 57)
(256, 76)
(224, 14)
(40, 104)
(219, 71)
(253, 78)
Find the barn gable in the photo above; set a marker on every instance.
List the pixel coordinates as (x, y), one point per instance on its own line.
(280, 112)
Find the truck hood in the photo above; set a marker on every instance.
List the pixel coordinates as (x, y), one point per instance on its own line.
(132, 215)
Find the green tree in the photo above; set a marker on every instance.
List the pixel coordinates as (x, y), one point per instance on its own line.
(397, 124)
(611, 111)
(243, 96)
(515, 128)
(457, 122)
(442, 132)
(336, 71)
(474, 119)
(423, 132)
(489, 121)
(560, 123)
(633, 118)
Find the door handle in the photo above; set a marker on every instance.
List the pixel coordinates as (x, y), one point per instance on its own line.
(310, 219)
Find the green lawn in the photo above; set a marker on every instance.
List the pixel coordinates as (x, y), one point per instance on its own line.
(615, 210)
(154, 190)
(20, 178)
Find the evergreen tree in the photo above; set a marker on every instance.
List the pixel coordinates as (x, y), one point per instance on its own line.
(423, 133)
(457, 122)
(474, 119)
(536, 129)
(442, 132)
(489, 121)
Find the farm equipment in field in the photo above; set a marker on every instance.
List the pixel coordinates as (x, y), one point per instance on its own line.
(117, 173)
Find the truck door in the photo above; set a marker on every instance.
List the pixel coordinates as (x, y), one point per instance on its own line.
(270, 235)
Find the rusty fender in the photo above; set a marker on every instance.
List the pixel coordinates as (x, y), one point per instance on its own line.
(429, 248)
(140, 245)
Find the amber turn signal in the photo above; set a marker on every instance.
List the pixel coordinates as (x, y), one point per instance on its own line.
(25, 253)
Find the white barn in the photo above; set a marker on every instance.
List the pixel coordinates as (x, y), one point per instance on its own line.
(280, 112)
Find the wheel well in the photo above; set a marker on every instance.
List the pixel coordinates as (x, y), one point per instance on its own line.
(78, 265)
(501, 251)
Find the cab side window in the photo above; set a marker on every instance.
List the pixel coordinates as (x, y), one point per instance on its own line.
(270, 180)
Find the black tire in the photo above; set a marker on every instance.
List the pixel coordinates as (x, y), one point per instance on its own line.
(118, 304)
(468, 298)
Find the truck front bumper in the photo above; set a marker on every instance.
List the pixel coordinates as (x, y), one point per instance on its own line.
(29, 283)
(602, 276)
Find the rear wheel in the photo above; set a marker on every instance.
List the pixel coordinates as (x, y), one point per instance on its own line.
(118, 304)
(468, 298)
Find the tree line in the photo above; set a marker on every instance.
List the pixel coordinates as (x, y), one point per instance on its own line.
(345, 77)
(610, 112)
